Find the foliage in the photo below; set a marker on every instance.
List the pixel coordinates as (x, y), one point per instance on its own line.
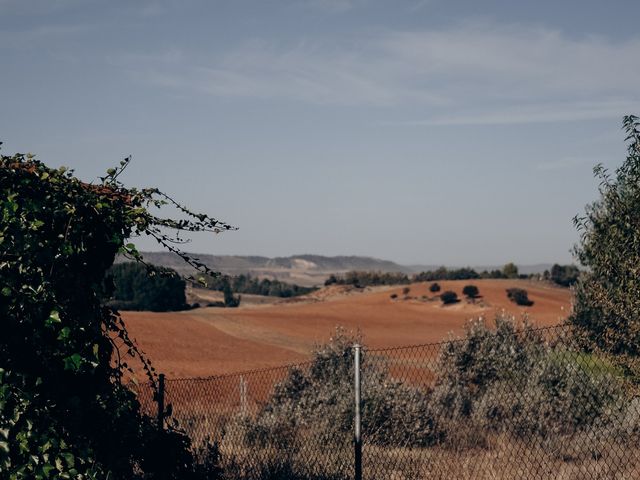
(406, 290)
(607, 306)
(564, 275)
(64, 411)
(136, 287)
(514, 377)
(449, 297)
(255, 286)
(510, 270)
(519, 296)
(434, 287)
(470, 291)
(366, 279)
(443, 273)
(230, 300)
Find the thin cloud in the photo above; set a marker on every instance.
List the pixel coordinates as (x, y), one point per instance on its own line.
(487, 70)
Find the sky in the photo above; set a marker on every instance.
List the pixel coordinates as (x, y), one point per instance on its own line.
(420, 131)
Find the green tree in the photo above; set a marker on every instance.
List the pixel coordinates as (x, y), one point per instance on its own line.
(449, 297)
(434, 287)
(510, 270)
(519, 296)
(471, 292)
(139, 287)
(607, 304)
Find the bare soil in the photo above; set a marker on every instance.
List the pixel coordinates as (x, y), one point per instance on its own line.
(212, 341)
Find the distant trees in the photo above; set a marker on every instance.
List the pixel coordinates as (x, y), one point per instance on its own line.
(519, 296)
(255, 286)
(471, 292)
(443, 273)
(449, 297)
(132, 286)
(366, 279)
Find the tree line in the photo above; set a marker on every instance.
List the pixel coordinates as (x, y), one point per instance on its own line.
(564, 275)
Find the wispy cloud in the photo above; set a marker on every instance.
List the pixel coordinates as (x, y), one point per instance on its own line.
(474, 73)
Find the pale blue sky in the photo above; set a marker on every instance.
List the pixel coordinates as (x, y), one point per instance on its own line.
(435, 132)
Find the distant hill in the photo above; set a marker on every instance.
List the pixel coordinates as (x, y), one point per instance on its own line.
(305, 270)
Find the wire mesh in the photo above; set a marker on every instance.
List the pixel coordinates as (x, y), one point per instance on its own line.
(504, 404)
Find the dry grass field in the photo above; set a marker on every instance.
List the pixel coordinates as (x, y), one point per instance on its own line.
(212, 341)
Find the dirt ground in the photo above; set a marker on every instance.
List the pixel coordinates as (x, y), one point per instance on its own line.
(213, 341)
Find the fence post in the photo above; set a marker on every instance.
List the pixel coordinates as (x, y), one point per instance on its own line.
(243, 396)
(161, 402)
(357, 432)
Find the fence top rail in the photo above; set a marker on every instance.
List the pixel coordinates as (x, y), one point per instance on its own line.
(289, 366)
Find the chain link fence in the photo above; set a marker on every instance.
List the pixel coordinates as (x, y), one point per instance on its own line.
(505, 403)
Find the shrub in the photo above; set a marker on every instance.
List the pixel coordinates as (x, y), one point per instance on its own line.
(519, 296)
(513, 380)
(471, 291)
(434, 287)
(406, 290)
(449, 297)
(393, 296)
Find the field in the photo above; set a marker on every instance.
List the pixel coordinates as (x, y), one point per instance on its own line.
(213, 341)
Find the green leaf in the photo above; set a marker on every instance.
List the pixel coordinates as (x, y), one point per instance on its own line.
(73, 362)
(6, 291)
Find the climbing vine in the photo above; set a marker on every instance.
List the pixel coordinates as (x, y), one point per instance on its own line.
(64, 409)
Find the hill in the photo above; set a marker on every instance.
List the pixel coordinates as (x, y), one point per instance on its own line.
(304, 270)
(211, 341)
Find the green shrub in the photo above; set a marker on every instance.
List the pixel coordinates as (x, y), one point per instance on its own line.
(519, 296)
(471, 292)
(449, 297)
(434, 287)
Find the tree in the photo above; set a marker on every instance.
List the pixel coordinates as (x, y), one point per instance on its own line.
(230, 300)
(519, 296)
(434, 287)
(139, 287)
(510, 270)
(564, 275)
(65, 411)
(607, 303)
(471, 292)
(449, 297)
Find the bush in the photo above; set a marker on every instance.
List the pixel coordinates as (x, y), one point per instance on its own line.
(434, 287)
(513, 380)
(564, 275)
(393, 296)
(449, 297)
(519, 296)
(471, 291)
(406, 290)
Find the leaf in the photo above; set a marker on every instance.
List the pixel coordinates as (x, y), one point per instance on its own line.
(73, 362)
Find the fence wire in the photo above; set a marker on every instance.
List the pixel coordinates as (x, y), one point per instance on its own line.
(505, 404)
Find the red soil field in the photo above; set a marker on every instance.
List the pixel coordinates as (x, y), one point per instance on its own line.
(214, 341)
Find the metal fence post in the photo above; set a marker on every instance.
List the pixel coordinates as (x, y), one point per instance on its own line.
(161, 402)
(357, 432)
